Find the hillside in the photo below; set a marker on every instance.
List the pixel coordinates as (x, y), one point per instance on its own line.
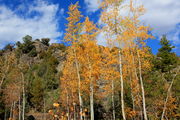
(32, 66)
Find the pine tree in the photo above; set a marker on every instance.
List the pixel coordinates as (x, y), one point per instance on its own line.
(167, 60)
(37, 92)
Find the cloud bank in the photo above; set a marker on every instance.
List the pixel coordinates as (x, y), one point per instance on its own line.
(162, 15)
(39, 20)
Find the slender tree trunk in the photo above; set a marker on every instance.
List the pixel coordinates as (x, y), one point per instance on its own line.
(132, 95)
(19, 106)
(11, 111)
(113, 104)
(168, 94)
(92, 100)
(13, 115)
(74, 111)
(142, 88)
(85, 117)
(24, 99)
(67, 100)
(91, 91)
(2, 80)
(5, 114)
(120, 70)
(131, 85)
(122, 86)
(79, 85)
(137, 86)
(44, 110)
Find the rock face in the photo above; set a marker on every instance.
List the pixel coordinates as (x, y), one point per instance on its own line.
(40, 47)
(26, 59)
(60, 55)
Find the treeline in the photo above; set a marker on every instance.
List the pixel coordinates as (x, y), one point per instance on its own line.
(83, 80)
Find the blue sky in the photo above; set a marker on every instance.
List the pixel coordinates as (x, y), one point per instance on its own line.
(47, 18)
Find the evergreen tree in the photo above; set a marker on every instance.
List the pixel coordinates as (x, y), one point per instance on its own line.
(27, 47)
(37, 92)
(9, 47)
(45, 41)
(166, 59)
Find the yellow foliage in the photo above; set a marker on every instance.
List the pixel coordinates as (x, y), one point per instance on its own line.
(56, 104)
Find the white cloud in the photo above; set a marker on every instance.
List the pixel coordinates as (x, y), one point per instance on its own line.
(163, 16)
(101, 39)
(174, 35)
(92, 5)
(43, 24)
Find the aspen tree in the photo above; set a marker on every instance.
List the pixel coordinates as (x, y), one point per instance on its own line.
(6, 63)
(110, 16)
(72, 36)
(12, 90)
(141, 34)
(168, 95)
(110, 74)
(131, 77)
(141, 51)
(91, 58)
(22, 68)
(68, 82)
(127, 32)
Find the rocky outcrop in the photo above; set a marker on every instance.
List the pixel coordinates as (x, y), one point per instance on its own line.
(40, 47)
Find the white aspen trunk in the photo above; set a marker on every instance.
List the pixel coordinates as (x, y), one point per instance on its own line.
(85, 117)
(19, 106)
(2, 80)
(24, 99)
(91, 91)
(142, 88)
(11, 110)
(135, 72)
(5, 115)
(113, 105)
(79, 85)
(120, 70)
(74, 111)
(122, 86)
(92, 100)
(67, 100)
(168, 94)
(13, 115)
